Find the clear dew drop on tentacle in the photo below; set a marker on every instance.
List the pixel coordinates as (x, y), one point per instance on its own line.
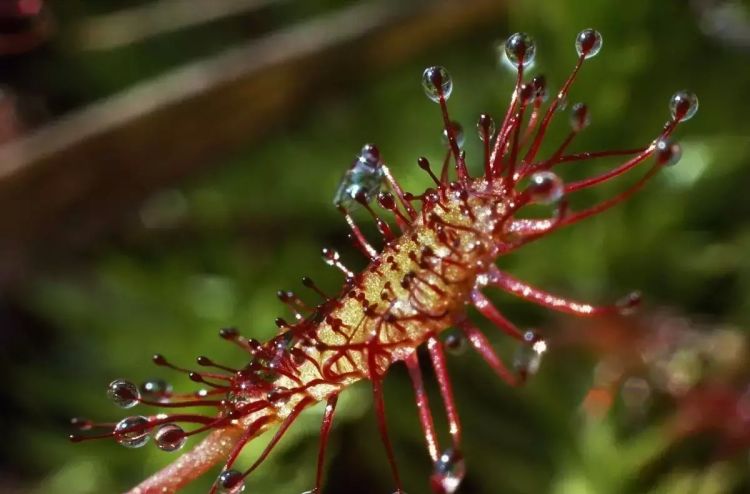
(155, 389)
(450, 469)
(363, 179)
(545, 188)
(454, 342)
(589, 43)
(580, 118)
(667, 152)
(123, 393)
(458, 135)
(485, 127)
(528, 356)
(683, 105)
(436, 81)
(526, 93)
(132, 432)
(520, 48)
(230, 482)
(170, 437)
(539, 84)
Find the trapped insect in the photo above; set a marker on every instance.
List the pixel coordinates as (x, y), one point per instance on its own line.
(438, 257)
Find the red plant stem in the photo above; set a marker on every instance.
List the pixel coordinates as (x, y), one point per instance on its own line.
(304, 403)
(252, 431)
(399, 192)
(533, 120)
(362, 242)
(534, 148)
(181, 404)
(525, 291)
(509, 178)
(504, 129)
(564, 146)
(446, 390)
(485, 307)
(585, 156)
(445, 169)
(482, 345)
(377, 392)
(645, 153)
(325, 432)
(615, 172)
(461, 170)
(486, 137)
(604, 205)
(423, 405)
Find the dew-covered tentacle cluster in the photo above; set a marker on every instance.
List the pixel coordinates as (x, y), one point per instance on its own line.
(437, 258)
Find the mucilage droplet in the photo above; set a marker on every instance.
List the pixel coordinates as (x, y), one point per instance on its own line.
(170, 437)
(580, 118)
(450, 469)
(520, 49)
(667, 152)
(528, 356)
(230, 482)
(588, 43)
(540, 88)
(132, 432)
(485, 127)
(683, 105)
(436, 81)
(155, 389)
(123, 393)
(545, 188)
(454, 342)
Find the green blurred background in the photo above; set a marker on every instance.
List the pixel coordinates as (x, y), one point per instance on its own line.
(207, 248)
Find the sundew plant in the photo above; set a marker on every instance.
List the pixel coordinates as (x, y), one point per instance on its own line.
(437, 258)
(474, 294)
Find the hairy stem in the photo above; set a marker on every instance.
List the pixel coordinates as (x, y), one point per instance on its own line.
(213, 449)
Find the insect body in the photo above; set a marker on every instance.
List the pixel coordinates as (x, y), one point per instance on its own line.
(437, 259)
